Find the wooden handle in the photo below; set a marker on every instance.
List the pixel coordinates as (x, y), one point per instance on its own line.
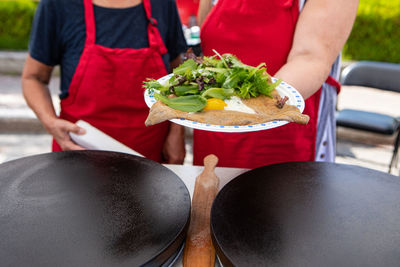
(199, 250)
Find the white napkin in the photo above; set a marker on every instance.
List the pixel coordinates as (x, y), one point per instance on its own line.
(97, 140)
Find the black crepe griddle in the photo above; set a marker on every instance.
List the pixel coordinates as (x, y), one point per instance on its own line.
(308, 214)
(90, 208)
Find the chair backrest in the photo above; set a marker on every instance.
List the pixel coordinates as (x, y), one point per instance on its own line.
(373, 74)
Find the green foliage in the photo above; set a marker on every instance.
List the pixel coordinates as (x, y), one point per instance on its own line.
(376, 32)
(15, 23)
(375, 35)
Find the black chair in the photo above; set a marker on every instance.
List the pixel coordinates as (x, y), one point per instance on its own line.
(379, 75)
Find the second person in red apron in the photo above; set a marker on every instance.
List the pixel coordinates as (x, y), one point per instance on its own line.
(299, 48)
(119, 45)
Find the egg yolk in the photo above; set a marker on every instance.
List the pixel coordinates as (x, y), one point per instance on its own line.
(215, 104)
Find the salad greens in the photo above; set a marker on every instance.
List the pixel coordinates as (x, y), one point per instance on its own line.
(218, 76)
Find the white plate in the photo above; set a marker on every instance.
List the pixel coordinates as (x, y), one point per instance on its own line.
(283, 89)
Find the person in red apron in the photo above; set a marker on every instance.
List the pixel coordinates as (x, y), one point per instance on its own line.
(300, 50)
(106, 89)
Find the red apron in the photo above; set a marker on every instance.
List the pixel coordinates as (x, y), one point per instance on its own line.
(256, 31)
(106, 89)
(186, 9)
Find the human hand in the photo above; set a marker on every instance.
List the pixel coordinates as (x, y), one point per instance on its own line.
(174, 147)
(60, 130)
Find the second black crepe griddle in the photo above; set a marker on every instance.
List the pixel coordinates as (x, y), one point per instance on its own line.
(308, 214)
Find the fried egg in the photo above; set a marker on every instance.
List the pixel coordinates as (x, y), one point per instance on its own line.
(233, 104)
(236, 104)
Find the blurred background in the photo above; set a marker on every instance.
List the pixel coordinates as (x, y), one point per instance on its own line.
(375, 37)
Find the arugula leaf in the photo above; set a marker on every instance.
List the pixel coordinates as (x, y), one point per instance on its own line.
(190, 89)
(244, 89)
(186, 68)
(233, 80)
(222, 58)
(259, 70)
(190, 103)
(217, 70)
(267, 90)
(151, 84)
(236, 63)
(220, 78)
(220, 93)
(210, 62)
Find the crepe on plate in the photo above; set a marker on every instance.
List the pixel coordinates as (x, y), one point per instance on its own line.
(266, 109)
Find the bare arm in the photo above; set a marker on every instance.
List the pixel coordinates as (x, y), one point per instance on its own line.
(176, 62)
(35, 80)
(204, 8)
(174, 147)
(322, 30)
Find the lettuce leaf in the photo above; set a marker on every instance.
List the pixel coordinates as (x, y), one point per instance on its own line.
(190, 103)
(220, 93)
(186, 68)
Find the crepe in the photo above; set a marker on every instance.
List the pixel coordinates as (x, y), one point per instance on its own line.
(266, 109)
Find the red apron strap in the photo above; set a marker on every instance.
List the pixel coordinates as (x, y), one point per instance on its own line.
(90, 23)
(332, 81)
(154, 36)
(147, 8)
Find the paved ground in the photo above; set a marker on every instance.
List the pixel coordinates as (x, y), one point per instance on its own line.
(21, 135)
